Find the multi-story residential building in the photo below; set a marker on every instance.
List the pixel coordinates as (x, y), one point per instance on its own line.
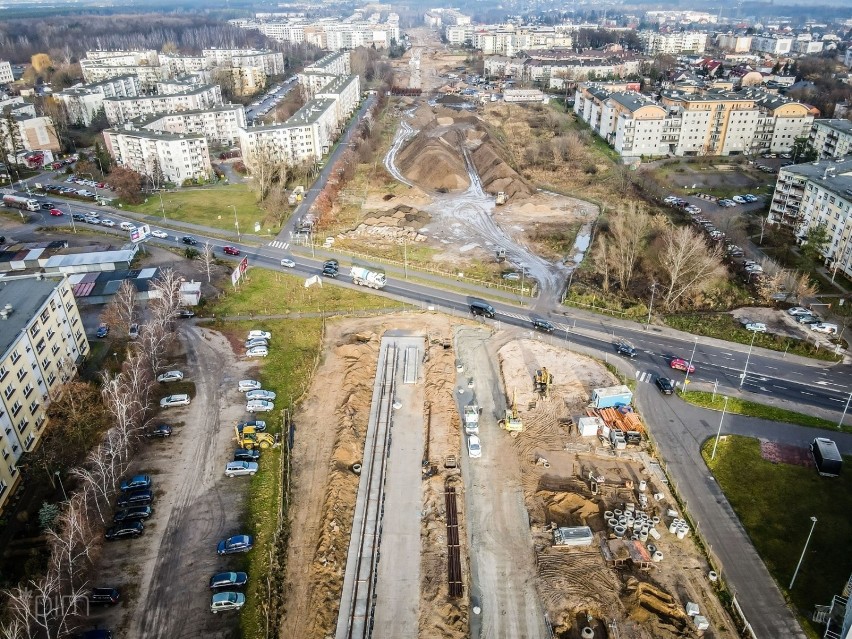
(336, 63)
(510, 40)
(818, 193)
(831, 138)
(459, 34)
(690, 124)
(556, 68)
(178, 157)
(673, 43)
(733, 42)
(6, 76)
(807, 46)
(83, 102)
(125, 57)
(41, 342)
(16, 105)
(345, 91)
(98, 66)
(220, 124)
(283, 31)
(772, 44)
(120, 110)
(681, 17)
(443, 17)
(271, 62)
(328, 33)
(30, 133)
(179, 65)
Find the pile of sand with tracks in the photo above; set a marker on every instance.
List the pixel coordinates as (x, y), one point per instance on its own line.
(496, 174)
(434, 162)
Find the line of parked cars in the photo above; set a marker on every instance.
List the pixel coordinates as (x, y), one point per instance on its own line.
(809, 318)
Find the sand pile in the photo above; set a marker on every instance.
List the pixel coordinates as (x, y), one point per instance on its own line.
(496, 175)
(434, 162)
(400, 225)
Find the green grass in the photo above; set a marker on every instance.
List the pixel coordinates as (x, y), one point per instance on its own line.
(724, 326)
(272, 293)
(209, 206)
(775, 503)
(755, 409)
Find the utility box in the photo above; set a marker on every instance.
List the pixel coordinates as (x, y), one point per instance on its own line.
(590, 426)
(826, 457)
(611, 397)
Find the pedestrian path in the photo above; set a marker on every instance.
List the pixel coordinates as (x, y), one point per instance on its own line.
(279, 245)
(644, 378)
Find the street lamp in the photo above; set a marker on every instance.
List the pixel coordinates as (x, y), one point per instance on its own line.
(689, 366)
(845, 409)
(96, 185)
(59, 477)
(651, 305)
(804, 550)
(719, 432)
(71, 215)
(748, 357)
(236, 222)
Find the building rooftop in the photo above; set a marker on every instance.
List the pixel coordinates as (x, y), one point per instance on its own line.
(831, 175)
(841, 126)
(157, 135)
(305, 116)
(633, 101)
(196, 89)
(144, 120)
(25, 294)
(338, 84)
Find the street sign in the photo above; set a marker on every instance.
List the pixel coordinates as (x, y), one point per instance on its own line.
(140, 233)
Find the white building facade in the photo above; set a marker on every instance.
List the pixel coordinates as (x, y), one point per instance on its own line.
(178, 157)
(120, 110)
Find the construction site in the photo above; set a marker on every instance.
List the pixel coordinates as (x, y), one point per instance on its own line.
(557, 520)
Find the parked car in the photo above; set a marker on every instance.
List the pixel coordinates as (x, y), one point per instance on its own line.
(625, 348)
(259, 335)
(257, 351)
(230, 250)
(808, 319)
(680, 364)
(252, 343)
(269, 396)
(829, 329)
(757, 327)
(235, 544)
(97, 633)
(245, 385)
(136, 482)
(543, 325)
(224, 601)
(106, 596)
(739, 199)
(160, 234)
(259, 406)
(247, 454)
(228, 580)
(170, 376)
(240, 468)
(160, 430)
(126, 530)
(103, 330)
(258, 424)
(175, 400)
(666, 385)
(142, 497)
(288, 263)
(184, 313)
(474, 447)
(798, 310)
(133, 331)
(132, 514)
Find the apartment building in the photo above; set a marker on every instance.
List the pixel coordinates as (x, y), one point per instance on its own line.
(180, 65)
(283, 31)
(120, 110)
(510, 40)
(676, 43)
(807, 46)
(33, 133)
(772, 44)
(831, 138)
(270, 62)
(817, 193)
(16, 105)
(336, 63)
(125, 58)
(179, 157)
(41, 343)
(459, 34)
(346, 92)
(83, 102)
(6, 76)
(220, 124)
(847, 59)
(556, 68)
(330, 33)
(442, 17)
(98, 66)
(733, 42)
(692, 124)
(183, 83)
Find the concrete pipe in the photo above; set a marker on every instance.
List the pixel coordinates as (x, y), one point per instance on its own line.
(712, 576)
(642, 486)
(643, 535)
(673, 527)
(617, 512)
(655, 519)
(651, 549)
(587, 633)
(681, 533)
(619, 531)
(657, 556)
(608, 514)
(612, 522)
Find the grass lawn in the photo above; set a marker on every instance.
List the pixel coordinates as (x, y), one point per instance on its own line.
(724, 326)
(775, 503)
(754, 409)
(210, 206)
(272, 293)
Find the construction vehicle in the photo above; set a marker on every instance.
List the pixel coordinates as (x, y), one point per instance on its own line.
(248, 437)
(471, 419)
(368, 278)
(543, 380)
(501, 254)
(501, 198)
(512, 422)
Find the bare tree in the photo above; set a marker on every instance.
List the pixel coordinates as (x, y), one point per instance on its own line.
(629, 230)
(208, 259)
(687, 262)
(122, 307)
(266, 169)
(71, 542)
(154, 340)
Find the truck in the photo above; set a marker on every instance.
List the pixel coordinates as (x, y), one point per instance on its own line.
(826, 457)
(18, 202)
(471, 419)
(366, 277)
(501, 197)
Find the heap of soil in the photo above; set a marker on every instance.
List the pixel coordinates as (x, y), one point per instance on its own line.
(434, 162)
(398, 225)
(496, 174)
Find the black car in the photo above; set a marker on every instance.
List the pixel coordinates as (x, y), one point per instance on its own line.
(665, 385)
(48, 205)
(78, 216)
(329, 272)
(132, 514)
(245, 454)
(623, 348)
(185, 314)
(106, 596)
(331, 264)
(186, 239)
(161, 430)
(543, 326)
(130, 529)
(228, 580)
(135, 498)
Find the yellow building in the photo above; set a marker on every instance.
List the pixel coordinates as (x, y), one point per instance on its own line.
(41, 341)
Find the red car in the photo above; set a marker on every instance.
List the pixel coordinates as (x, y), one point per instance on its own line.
(55, 212)
(231, 250)
(681, 365)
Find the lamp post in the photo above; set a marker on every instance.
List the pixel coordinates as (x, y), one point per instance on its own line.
(651, 305)
(689, 366)
(71, 216)
(804, 550)
(748, 357)
(719, 432)
(236, 223)
(845, 408)
(97, 198)
(162, 206)
(59, 477)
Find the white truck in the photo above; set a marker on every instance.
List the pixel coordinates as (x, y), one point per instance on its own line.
(366, 277)
(471, 419)
(18, 202)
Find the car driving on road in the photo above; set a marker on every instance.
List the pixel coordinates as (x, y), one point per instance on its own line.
(160, 234)
(288, 263)
(680, 364)
(543, 325)
(666, 385)
(231, 250)
(625, 348)
(474, 447)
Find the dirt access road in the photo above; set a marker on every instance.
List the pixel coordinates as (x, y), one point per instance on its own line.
(166, 571)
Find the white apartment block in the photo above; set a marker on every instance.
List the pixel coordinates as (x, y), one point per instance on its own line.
(35, 133)
(42, 340)
(220, 124)
(673, 43)
(120, 110)
(179, 157)
(458, 35)
(6, 76)
(681, 17)
(97, 71)
(733, 42)
(283, 31)
(332, 34)
(83, 102)
(126, 58)
(179, 65)
(692, 124)
(270, 62)
(807, 46)
(509, 40)
(183, 83)
(831, 138)
(817, 193)
(444, 17)
(314, 82)
(336, 63)
(17, 106)
(772, 44)
(346, 92)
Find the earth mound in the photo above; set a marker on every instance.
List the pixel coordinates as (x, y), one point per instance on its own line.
(434, 163)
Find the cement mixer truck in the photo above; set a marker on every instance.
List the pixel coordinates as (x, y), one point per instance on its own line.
(366, 277)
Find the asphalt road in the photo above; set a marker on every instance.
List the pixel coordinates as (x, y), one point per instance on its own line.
(277, 92)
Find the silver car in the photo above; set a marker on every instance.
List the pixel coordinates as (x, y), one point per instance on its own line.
(248, 385)
(257, 351)
(239, 468)
(257, 342)
(261, 394)
(259, 406)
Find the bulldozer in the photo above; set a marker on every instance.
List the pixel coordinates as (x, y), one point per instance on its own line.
(543, 380)
(248, 437)
(512, 421)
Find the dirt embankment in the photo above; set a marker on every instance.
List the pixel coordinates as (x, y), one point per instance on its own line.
(433, 162)
(496, 174)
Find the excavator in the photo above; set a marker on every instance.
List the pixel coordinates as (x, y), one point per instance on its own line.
(543, 380)
(512, 421)
(248, 437)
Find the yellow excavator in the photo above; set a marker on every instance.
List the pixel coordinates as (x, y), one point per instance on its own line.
(512, 422)
(248, 437)
(543, 380)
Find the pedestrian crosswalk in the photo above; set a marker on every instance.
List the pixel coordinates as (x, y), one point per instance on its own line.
(645, 378)
(279, 245)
